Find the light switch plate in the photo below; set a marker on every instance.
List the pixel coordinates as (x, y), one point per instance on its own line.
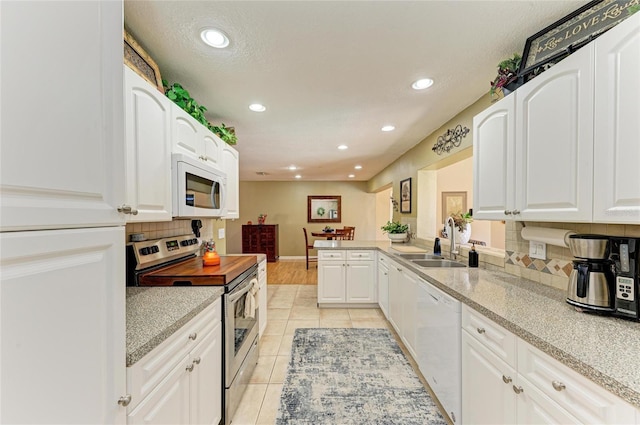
(220, 233)
(538, 250)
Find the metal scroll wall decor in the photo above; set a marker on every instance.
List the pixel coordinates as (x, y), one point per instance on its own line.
(451, 139)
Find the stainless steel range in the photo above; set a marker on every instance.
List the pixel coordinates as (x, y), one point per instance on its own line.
(173, 262)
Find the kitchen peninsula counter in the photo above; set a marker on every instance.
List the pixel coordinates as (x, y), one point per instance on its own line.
(603, 349)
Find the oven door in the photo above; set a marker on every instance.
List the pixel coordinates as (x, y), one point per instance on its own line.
(241, 324)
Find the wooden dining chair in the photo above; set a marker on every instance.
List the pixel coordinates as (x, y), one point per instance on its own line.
(349, 233)
(308, 248)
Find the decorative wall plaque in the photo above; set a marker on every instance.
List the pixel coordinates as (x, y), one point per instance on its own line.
(449, 140)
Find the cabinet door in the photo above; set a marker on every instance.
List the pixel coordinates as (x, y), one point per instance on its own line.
(361, 282)
(331, 282)
(185, 132)
(230, 163)
(212, 149)
(554, 142)
(62, 326)
(494, 161)
(409, 294)
(168, 403)
(206, 379)
(487, 386)
(617, 127)
(395, 297)
(383, 288)
(62, 135)
(263, 296)
(148, 150)
(533, 407)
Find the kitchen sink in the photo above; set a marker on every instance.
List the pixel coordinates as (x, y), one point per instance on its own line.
(421, 256)
(437, 263)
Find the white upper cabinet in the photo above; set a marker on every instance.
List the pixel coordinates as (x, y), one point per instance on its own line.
(617, 124)
(148, 150)
(494, 160)
(193, 139)
(231, 166)
(554, 142)
(62, 127)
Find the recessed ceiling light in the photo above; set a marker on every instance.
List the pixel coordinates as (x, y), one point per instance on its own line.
(256, 107)
(351, 176)
(298, 176)
(215, 38)
(422, 84)
(358, 167)
(292, 167)
(388, 128)
(343, 147)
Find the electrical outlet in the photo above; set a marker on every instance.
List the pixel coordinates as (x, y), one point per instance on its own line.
(220, 233)
(538, 250)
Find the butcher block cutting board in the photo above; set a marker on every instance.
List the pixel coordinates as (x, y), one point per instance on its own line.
(408, 248)
(193, 272)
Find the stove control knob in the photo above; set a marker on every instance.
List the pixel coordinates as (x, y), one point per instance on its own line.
(154, 249)
(185, 243)
(144, 251)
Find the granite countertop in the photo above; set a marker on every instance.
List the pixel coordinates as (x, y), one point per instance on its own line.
(603, 349)
(155, 313)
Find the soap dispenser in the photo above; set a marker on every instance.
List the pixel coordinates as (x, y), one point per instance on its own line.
(473, 256)
(436, 247)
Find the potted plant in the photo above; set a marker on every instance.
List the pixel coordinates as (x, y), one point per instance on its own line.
(462, 222)
(395, 231)
(506, 80)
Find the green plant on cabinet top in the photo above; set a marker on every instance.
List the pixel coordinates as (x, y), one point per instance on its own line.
(181, 97)
(507, 73)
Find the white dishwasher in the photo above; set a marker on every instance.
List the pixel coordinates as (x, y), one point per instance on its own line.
(438, 346)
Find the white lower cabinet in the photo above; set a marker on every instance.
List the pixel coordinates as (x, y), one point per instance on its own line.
(383, 284)
(403, 304)
(180, 381)
(262, 296)
(506, 380)
(346, 277)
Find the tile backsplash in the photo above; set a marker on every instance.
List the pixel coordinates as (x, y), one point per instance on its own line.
(178, 227)
(555, 269)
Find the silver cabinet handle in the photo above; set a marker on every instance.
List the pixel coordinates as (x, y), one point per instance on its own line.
(480, 330)
(507, 212)
(398, 269)
(516, 212)
(518, 389)
(196, 360)
(126, 209)
(506, 379)
(558, 386)
(125, 400)
(190, 368)
(193, 336)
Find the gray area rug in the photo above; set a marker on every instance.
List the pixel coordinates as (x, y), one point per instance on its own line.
(352, 376)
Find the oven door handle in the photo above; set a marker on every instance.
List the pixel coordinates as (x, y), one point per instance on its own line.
(237, 293)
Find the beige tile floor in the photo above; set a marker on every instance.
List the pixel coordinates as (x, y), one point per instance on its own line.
(291, 307)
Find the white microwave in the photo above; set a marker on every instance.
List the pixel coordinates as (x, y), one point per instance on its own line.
(198, 189)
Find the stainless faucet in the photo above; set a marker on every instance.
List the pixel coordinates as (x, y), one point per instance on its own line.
(453, 252)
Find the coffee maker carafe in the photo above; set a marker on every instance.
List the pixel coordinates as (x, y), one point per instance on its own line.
(592, 280)
(625, 253)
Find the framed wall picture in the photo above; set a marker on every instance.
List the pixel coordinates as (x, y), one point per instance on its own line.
(453, 202)
(405, 195)
(324, 209)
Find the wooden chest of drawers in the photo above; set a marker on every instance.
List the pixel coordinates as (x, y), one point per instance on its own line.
(261, 238)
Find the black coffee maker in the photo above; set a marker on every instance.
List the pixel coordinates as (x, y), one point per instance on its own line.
(625, 254)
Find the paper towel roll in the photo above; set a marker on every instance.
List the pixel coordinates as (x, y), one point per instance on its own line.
(558, 237)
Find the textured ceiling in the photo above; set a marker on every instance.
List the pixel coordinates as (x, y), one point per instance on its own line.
(334, 73)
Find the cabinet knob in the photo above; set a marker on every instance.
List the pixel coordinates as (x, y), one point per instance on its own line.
(516, 212)
(518, 389)
(193, 336)
(125, 400)
(480, 330)
(399, 269)
(558, 386)
(191, 366)
(126, 209)
(506, 379)
(196, 360)
(507, 212)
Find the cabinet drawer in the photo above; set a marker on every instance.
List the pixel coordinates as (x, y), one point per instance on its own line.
(331, 255)
(360, 255)
(497, 339)
(149, 371)
(579, 396)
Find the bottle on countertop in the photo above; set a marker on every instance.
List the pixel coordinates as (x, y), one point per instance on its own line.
(473, 256)
(436, 247)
